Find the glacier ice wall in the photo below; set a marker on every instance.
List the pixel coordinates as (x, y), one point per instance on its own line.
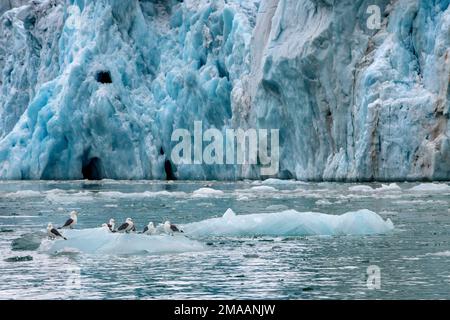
(356, 104)
(95, 88)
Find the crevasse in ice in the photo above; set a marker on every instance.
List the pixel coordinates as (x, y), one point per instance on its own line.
(94, 89)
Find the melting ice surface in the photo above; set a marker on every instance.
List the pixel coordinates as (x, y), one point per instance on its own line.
(273, 242)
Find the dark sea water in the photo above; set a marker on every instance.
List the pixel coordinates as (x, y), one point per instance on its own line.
(412, 260)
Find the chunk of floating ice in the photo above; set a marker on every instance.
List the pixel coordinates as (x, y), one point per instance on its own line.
(323, 202)
(440, 254)
(273, 181)
(145, 194)
(207, 192)
(384, 187)
(100, 240)
(22, 194)
(389, 187)
(277, 207)
(431, 187)
(291, 223)
(229, 214)
(361, 188)
(263, 189)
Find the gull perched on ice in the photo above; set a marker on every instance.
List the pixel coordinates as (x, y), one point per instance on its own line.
(170, 228)
(127, 226)
(111, 224)
(71, 222)
(149, 229)
(53, 233)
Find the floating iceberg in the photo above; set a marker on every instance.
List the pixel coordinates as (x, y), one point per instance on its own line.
(431, 187)
(290, 223)
(360, 188)
(207, 192)
(285, 223)
(383, 188)
(263, 189)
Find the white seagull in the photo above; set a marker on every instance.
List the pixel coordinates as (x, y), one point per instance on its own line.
(127, 226)
(111, 224)
(53, 233)
(149, 229)
(170, 228)
(71, 222)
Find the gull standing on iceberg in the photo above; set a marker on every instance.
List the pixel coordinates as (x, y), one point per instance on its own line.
(149, 229)
(71, 222)
(111, 224)
(127, 226)
(171, 228)
(53, 233)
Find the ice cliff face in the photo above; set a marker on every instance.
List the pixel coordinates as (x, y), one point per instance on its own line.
(95, 88)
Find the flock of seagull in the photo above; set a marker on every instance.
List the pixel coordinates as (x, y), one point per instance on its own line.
(126, 227)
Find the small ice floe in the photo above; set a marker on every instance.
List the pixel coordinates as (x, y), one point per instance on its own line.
(207, 192)
(323, 202)
(431, 187)
(273, 181)
(383, 188)
(263, 189)
(21, 194)
(440, 254)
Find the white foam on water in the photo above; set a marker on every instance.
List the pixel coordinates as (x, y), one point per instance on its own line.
(18, 217)
(62, 196)
(137, 195)
(277, 207)
(429, 202)
(69, 196)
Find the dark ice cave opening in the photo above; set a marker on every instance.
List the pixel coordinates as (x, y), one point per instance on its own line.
(168, 168)
(104, 77)
(93, 169)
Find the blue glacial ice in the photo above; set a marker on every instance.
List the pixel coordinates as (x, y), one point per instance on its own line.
(94, 89)
(291, 223)
(277, 224)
